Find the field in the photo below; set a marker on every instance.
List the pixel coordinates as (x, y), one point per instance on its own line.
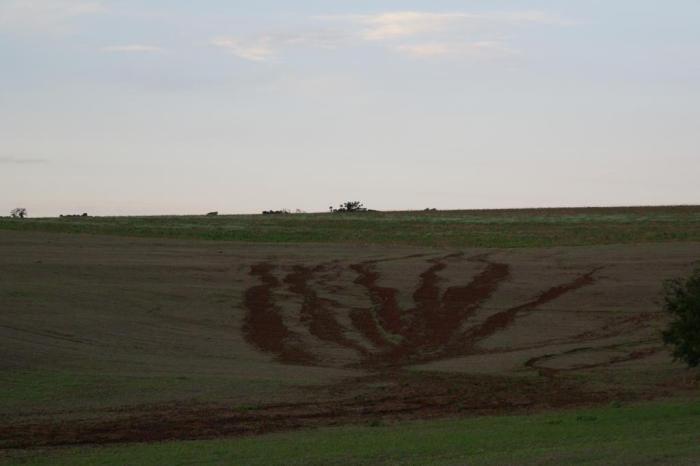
(656, 433)
(470, 228)
(197, 331)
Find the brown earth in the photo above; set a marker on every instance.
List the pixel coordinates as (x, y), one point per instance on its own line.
(347, 334)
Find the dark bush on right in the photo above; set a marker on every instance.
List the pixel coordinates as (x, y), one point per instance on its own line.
(682, 301)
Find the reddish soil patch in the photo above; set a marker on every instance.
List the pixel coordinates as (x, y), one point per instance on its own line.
(429, 331)
(384, 298)
(364, 322)
(316, 312)
(459, 302)
(435, 321)
(263, 326)
(503, 319)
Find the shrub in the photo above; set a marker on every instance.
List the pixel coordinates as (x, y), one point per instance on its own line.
(350, 206)
(19, 212)
(682, 301)
(276, 212)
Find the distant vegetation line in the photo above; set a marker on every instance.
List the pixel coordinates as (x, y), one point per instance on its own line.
(472, 228)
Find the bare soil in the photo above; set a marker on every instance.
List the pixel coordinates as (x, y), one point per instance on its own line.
(351, 334)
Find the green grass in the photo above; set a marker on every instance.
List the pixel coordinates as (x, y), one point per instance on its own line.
(496, 228)
(655, 433)
(80, 392)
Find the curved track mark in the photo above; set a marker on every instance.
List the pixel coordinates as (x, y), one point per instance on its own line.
(551, 371)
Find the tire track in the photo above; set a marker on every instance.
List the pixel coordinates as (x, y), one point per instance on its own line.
(533, 363)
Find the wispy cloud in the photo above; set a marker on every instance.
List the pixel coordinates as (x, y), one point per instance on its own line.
(133, 48)
(21, 161)
(392, 25)
(30, 16)
(478, 49)
(416, 33)
(258, 49)
(266, 47)
(402, 24)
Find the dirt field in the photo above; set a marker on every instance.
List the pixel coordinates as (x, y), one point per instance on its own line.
(108, 339)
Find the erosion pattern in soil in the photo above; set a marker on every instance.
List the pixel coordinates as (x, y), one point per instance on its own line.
(383, 337)
(437, 326)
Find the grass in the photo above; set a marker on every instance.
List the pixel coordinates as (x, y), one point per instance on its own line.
(38, 392)
(495, 228)
(654, 433)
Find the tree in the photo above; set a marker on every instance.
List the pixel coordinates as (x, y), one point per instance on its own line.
(682, 301)
(19, 212)
(350, 206)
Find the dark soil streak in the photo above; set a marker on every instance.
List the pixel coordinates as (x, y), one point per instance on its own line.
(363, 320)
(263, 326)
(435, 321)
(503, 319)
(384, 298)
(459, 302)
(317, 312)
(354, 401)
(428, 332)
(427, 295)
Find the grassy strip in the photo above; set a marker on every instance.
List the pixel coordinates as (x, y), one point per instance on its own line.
(654, 433)
(507, 228)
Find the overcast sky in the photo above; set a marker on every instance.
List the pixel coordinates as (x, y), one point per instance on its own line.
(161, 107)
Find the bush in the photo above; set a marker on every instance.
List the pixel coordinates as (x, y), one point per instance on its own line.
(19, 212)
(682, 301)
(276, 212)
(349, 206)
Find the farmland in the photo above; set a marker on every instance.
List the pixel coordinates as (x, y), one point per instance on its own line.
(197, 331)
(468, 228)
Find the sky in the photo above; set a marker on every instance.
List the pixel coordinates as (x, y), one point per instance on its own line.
(178, 107)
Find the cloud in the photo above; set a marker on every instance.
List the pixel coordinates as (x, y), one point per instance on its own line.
(134, 48)
(479, 49)
(415, 33)
(402, 24)
(398, 24)
(21, 161)
(259, 49)
(30, 16)
(425, 50)
(268, 46)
